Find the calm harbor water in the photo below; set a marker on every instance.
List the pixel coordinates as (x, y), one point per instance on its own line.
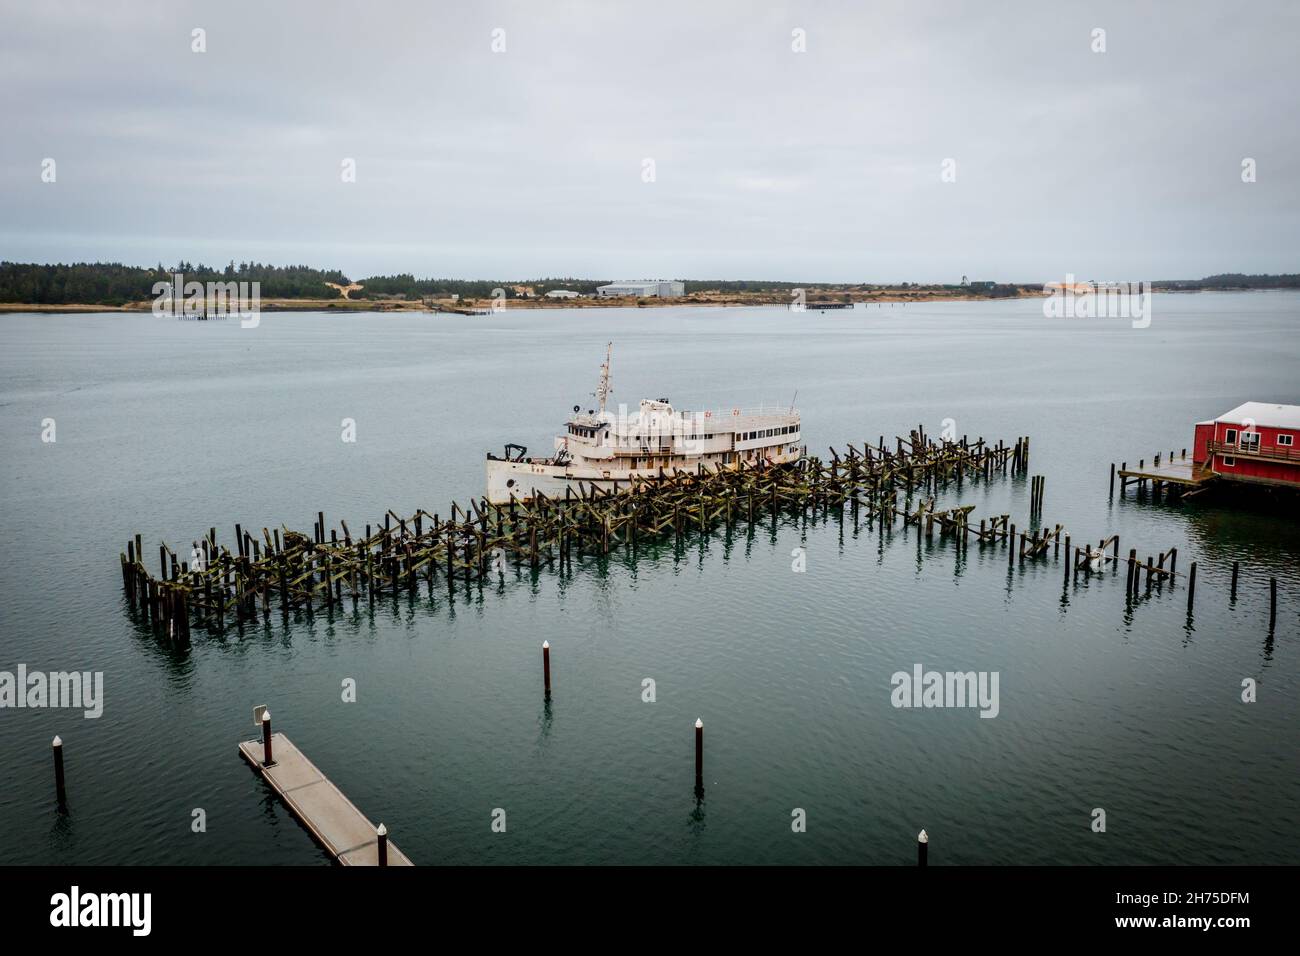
(166, 428)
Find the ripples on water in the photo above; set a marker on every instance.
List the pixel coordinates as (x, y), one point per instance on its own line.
(166, 428)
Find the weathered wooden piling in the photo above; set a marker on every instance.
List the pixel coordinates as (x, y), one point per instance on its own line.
(381, 844)
(922, 848)
(1191, 586)
(546, 667)
(1036, 486)
(1272, 602)
(1236, 566)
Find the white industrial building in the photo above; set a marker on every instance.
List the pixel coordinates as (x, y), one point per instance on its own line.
(643, 289)
(561, 294)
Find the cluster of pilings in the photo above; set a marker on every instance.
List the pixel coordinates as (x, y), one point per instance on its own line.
(471, 545)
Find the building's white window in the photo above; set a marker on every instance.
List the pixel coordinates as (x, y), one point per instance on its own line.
(1250, 441)
(1230, 436)
(1228, 461)
(1285, 440)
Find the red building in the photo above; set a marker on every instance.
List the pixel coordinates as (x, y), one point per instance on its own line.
(1255, 442)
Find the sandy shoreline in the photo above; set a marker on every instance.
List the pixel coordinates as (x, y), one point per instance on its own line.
(475, 306)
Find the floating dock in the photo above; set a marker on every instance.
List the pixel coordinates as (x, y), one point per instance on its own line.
(331, 818)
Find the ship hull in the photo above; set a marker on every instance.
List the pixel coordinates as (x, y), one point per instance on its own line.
(524, 479)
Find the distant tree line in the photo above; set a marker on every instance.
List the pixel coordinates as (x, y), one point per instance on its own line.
(112, 283)
(1232, 280)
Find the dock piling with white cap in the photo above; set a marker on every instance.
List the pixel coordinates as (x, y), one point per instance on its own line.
(266, 738)
(699, 754)
(60, 790)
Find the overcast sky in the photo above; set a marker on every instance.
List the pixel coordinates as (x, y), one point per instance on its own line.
(768, 163)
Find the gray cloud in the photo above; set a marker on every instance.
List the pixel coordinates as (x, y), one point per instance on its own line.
(821, 165)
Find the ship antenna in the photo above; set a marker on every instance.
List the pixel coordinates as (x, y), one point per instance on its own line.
(796, 395)
(604, 389)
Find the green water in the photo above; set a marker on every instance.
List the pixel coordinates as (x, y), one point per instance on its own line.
(166, 428)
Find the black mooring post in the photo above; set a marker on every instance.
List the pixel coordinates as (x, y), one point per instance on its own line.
(60, 791)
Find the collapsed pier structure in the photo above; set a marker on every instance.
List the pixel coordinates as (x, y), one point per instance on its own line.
(293, 571)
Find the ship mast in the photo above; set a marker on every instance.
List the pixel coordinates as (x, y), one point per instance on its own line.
(603, 389)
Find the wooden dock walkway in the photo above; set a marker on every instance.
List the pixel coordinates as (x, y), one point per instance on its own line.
(331, 818)
(1178, 476)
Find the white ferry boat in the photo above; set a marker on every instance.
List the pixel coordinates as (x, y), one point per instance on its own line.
(606, 450)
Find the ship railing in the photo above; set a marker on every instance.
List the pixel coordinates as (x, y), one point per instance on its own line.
(752, 411)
